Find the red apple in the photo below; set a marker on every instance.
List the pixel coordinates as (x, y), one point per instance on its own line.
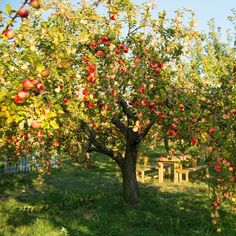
(152, 105)
(90, 105)
(35, 81)
(194, 141)
(91, 69)
(41, 87)
(91, 78)
(117, 52)
(154, 65)
(181, 107)
(138, 123)
(113, 17)
(171, 132)
(23, 12)
(35, 4)
(157, 70)
(137, 103)
(27, 84)
(126, 50)
(212, 130)
(45, 73)
(163, 65)
(144, 102)
(94, 45)
(85, 92)
(107, 108)
(142, 88)
(173, 125)
(218, 168)
(130, 103)
(233, 111)
(84, 59)
(122, 46)
(211, 148)
(10, 34)
(120, 62)
(10, 139)
(23, 94)
(163, 117)
(136, 59)
(35, 124)
(176, 119)
(100, 53)
(18, 100)
(104, 39)
(123, 69)
(100, 105)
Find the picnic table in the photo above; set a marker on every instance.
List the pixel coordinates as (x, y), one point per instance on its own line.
(178, 169)
(174, 163)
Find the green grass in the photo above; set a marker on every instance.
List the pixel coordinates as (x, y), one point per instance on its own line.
(77, 201)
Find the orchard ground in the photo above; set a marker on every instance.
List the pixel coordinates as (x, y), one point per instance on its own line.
(79, 201)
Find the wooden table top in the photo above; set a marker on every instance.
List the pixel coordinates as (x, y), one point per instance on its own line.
(174, 159)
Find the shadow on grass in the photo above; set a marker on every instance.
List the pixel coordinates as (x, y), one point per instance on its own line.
(73, 201)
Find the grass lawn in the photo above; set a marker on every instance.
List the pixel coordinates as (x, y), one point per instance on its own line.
(76, 201)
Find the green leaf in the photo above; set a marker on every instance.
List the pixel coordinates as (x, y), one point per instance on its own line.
(8, 9)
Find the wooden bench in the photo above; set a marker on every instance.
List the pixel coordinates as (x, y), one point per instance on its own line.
(186, 171)
(141, 171)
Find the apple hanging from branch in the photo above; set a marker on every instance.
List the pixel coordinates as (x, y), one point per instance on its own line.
(10, 34)
(23, 13)
(35, 4)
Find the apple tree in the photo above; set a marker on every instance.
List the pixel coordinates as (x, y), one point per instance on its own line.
(107, 75)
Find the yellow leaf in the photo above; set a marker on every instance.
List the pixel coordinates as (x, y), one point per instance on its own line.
(29, 122)
(54, 124)
(22, 124)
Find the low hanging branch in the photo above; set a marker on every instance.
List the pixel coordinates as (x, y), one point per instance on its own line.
(99, 147)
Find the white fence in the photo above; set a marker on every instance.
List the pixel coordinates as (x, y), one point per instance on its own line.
(28, 164)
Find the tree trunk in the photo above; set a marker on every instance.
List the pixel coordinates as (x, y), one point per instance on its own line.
(166, 143)
(128, 168)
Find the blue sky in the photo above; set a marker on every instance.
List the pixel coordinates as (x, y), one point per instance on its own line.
(204, 9)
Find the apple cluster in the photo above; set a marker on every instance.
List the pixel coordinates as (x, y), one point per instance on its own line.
(30, 85)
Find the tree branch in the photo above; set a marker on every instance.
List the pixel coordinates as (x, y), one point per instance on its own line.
(99, 147)
(126, 110)
(148, 127)
(123, 129)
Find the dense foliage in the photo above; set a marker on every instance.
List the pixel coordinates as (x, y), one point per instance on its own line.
(78, 80)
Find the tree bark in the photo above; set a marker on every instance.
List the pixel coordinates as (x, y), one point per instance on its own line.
(128, 169)
(166, 143)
